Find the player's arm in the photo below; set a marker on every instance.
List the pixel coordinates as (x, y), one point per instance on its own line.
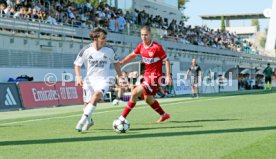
(78, 75)
(187, 73)
(117, 67)
(129, 58)
(200, 76)
(168, 72)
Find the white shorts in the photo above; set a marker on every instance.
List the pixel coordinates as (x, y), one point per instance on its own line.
(95, 85)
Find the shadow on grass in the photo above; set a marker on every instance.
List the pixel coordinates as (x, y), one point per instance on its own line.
(199, 121)
(135, 136)
(152, 128)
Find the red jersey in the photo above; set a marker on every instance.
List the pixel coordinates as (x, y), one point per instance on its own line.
(152, 57)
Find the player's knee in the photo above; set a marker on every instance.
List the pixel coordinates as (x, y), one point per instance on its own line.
(134, 93)
(97, 94)
(148, 101)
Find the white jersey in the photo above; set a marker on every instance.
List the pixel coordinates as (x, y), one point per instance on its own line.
(97, 62)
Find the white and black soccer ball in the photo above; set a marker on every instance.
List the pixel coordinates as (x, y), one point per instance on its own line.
(120, 126)
(115, 102)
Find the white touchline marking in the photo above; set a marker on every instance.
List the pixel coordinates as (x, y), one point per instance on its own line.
(69, 116)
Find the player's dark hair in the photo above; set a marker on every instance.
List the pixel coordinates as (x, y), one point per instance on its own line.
(96, 32)
(146, 28)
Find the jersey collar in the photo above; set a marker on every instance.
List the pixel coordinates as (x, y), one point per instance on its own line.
(149, 45)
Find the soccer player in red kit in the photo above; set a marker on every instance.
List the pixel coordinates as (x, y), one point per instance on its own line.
(153, 55)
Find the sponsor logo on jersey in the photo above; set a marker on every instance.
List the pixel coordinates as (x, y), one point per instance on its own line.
(150, 60)
(98, 63)
(150, 54)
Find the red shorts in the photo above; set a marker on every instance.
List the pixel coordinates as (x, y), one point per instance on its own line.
(151, 85)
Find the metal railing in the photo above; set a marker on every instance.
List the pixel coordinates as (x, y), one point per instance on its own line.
(129, 38)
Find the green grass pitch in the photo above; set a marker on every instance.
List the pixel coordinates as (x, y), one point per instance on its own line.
(215, 127)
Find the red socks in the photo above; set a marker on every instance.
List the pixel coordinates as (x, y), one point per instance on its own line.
(128, 108)
(156, 106)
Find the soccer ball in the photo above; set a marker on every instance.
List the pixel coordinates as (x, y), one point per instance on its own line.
(115, 102)
(120, 126)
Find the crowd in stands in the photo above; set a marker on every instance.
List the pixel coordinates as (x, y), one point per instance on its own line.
(204, 36)
(87, 15)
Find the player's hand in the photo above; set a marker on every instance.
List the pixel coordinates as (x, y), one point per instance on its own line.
(199, 81)
(79, 81)
(169, 80)
(121, 62)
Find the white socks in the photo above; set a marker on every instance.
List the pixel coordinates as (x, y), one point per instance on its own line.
(122, 118)
(87, 112)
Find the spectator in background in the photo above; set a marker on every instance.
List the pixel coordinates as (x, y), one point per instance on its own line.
(11, 3)
(50, 19)
(21, 13)
(34, 15)
(3, 6)
(113, 24)
(195, 73)
(268, 72)
(121, 23)
(122, 86)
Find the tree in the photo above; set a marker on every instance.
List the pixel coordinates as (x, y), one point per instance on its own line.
(181, 4)
(222, 27)
(255, 22)
(181, 7)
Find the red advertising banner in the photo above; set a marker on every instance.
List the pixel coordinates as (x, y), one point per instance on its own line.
(69, 93)
(39, 94)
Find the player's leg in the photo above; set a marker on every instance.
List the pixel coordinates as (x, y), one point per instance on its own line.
(196, 90)
(87, 96)
(99, 87)
(270, 83)
(137, 92)
(90, 108)
(266, 83)
(193, 89)
(149, 99)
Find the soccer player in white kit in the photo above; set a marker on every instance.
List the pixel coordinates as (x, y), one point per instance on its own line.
(97, 59)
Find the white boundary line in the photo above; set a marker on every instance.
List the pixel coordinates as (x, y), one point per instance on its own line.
(69, 116)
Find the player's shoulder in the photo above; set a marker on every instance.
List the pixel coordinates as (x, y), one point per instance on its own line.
(88, 46)
(109, 49)
(157, 45)
(84, 49)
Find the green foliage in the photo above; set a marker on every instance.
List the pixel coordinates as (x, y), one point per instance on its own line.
(181, 7)
(181, 4)
(222, 27)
